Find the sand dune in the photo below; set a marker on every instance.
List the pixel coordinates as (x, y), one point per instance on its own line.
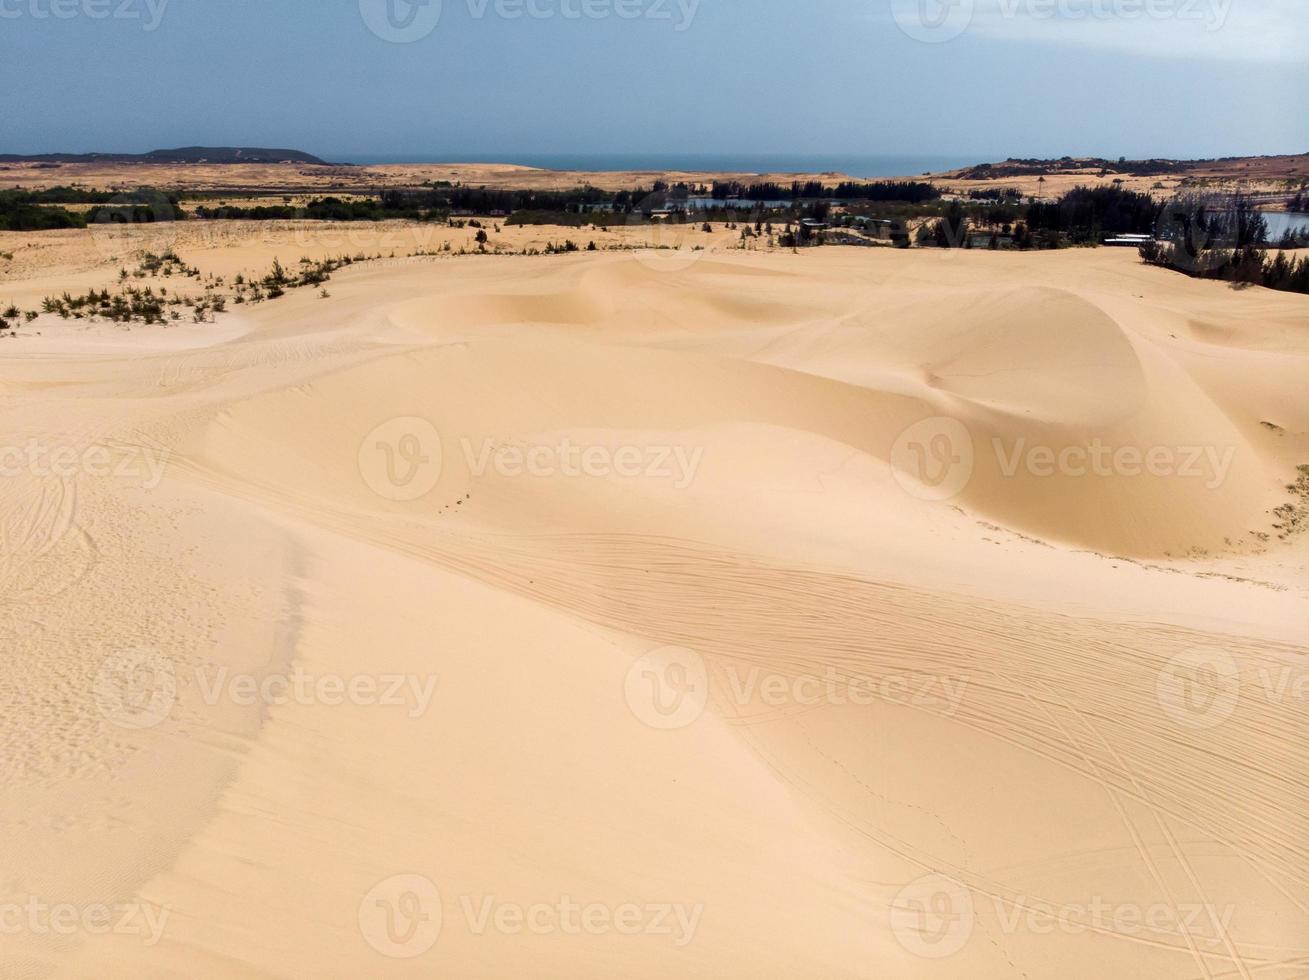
(854, 613)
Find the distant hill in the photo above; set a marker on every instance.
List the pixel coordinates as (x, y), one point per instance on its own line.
(186, 154)
(1266, 167)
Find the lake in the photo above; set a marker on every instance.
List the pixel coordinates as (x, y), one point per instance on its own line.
(706, 203)
(1280, 222)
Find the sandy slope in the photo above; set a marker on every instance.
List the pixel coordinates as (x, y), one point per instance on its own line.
(1081, 753)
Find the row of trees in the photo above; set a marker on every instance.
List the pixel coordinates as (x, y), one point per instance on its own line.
(42, 210)
(138, 208)
(18, 212)
(1000, 193)
(1087, 214)
(1252, 265)
(1083, 216)
(319, 209)
(37, 210)
(433, 205)
(1224, 239)
(64, 195)
(882, 190)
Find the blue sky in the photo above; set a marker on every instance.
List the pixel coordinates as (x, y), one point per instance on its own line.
(497, 78)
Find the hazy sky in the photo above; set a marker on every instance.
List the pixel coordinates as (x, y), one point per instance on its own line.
(495, 78)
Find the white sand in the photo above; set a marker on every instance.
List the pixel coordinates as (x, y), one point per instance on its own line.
(1029, 751)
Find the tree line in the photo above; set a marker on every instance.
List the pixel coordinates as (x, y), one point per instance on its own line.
(43, 210)
(1086, 214)
(1224, 239)
(1083, 216)
(914, 192)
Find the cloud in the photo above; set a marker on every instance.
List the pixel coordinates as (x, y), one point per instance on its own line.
(1254, 30)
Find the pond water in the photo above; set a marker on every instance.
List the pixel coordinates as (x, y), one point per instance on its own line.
(705, 203)
(1280, 222)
